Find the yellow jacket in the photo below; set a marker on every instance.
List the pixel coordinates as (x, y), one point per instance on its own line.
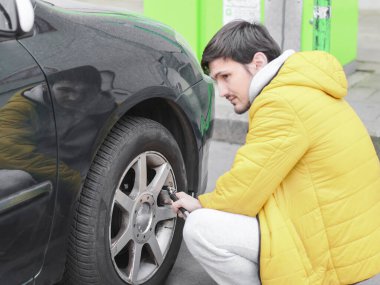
(309, 171)
(21, 123)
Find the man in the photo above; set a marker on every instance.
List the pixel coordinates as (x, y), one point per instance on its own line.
(28, 141)
(80, 105)
(301, 203)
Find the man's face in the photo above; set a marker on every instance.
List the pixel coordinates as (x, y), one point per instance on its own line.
(73, 95)
(233, 80)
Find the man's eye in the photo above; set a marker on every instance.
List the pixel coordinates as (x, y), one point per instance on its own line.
(65, 89)
(225, 76)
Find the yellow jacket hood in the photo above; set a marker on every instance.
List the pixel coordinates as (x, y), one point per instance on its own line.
(315, 69)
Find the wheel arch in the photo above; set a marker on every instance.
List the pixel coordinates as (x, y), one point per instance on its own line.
(170, 115)
(158, 104)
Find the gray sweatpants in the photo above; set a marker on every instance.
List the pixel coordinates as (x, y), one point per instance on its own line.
(225, 244)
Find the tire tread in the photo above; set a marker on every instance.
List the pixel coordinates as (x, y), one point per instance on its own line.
(80, 268)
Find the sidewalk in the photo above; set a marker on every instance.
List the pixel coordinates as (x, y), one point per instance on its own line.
(364, 97)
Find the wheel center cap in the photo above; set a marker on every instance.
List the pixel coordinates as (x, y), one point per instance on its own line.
(143, 217)
(144, 213)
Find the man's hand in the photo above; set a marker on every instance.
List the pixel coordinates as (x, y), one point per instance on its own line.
(185, 201)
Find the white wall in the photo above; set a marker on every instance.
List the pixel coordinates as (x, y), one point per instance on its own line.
(369, 4)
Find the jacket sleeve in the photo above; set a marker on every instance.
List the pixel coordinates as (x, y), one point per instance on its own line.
(275, 142)
(18, 149)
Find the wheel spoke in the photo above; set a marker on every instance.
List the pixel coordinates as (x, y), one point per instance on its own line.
(156, 250)
(157, 183)
(141, 173)
(123, 200)
(164, 213)
(136, 262)
(120, 241)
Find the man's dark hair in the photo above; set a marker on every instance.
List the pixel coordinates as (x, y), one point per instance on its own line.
(85, 74)
(240, 40)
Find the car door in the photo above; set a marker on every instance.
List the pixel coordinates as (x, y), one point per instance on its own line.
(28, 158)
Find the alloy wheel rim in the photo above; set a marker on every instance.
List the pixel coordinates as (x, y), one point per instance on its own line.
(141, 230)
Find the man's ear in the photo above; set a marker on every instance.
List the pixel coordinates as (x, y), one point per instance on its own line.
(259, 60)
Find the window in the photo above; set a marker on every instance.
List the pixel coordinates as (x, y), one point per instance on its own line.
(7, 16)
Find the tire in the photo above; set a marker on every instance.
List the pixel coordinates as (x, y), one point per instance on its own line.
(121, 234)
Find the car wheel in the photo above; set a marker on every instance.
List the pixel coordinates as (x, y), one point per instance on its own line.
(121, 233)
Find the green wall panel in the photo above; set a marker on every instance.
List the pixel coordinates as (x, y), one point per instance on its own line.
(181, 15)
(198, 20)
(344, 29)
(211, 20)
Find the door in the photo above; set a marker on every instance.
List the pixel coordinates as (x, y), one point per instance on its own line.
(28, 159)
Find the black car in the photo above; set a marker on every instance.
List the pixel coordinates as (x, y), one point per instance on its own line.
(99, 111)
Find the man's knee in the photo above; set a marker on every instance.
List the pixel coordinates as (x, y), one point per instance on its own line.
(195, 227)
(192, 225)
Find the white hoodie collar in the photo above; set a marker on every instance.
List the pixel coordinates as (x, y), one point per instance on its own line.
(266, 74)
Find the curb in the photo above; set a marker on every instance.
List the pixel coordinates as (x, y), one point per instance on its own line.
(234, 132)
(231, 131)
(376, 144)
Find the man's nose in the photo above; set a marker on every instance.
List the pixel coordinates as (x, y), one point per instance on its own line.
(73, 96)
(223, 90)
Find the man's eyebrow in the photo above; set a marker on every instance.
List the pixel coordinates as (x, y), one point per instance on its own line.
(216, 75)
